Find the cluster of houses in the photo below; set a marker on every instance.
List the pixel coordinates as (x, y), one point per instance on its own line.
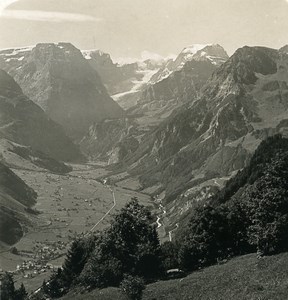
(49, 251)
(30, 268)
(38, 262)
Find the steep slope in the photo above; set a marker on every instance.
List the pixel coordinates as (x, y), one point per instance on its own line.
(197, 148)
(270, 158)
(18, 156)
(179, 81)
(111, 140)
(15, 198)
(62, 83)
(179, 87)
(25, 123)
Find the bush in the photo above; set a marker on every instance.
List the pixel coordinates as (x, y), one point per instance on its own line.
(132, 287)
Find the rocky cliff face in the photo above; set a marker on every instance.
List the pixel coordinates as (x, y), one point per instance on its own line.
(198, 147)
(181, 86)
(111, 140)
(25, 123)
(180, 80)
(59, 79)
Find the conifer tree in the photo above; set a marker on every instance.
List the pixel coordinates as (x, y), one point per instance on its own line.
(7, 287)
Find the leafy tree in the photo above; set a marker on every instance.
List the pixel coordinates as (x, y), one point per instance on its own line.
(261, 158)
(250, 213)
(132, 287)
(238, 223)
(103, 268)
(129, 246)
(208, 238)
(21, 293)
(267, 207)
(169, 255)
(55, 286)
(7, 287)
(76, 259)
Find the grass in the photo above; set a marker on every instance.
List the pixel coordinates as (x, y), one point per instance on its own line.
(68, 203)
(241, 278)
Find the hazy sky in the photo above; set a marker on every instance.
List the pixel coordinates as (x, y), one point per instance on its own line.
(125, 28)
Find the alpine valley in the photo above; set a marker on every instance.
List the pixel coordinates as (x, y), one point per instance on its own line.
(196, 140)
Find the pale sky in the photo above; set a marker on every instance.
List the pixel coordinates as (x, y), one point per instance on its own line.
(126, 28)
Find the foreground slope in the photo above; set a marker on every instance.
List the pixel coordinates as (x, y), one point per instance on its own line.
(241, 278)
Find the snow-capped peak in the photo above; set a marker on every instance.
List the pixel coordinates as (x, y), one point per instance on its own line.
(193, 49)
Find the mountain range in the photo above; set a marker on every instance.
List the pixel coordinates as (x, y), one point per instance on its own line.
(61, 81)
(155, 101)
(189, 125)
(199, 146)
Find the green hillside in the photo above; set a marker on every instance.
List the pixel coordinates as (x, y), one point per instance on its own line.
(241, 278)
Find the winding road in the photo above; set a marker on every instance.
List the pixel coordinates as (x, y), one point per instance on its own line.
(107, 213)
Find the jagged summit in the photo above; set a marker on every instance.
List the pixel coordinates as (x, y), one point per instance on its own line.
(209, 52)
(214, 53)
(247, 61)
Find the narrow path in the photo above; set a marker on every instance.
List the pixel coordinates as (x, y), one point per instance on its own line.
(107, 213)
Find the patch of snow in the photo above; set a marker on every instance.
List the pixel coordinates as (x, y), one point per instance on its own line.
(147, 74)
(23, 49)
(87, 53)
(15, 51)
(153, 58)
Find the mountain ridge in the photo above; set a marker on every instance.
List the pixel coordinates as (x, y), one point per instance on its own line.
(60, 80)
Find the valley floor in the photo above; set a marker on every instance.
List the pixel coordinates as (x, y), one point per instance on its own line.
(69, 205)
(241, 278)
